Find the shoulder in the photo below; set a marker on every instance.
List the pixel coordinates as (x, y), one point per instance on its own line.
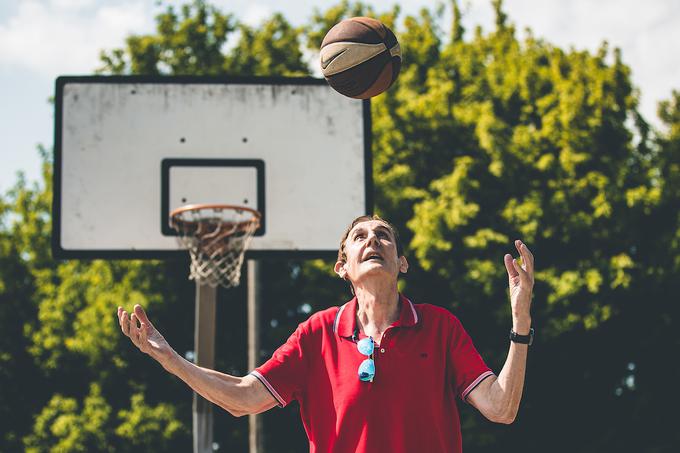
(433, 311)
(435, 315)
(320, 321)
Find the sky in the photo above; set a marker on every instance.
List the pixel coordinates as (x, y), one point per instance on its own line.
(42, 39)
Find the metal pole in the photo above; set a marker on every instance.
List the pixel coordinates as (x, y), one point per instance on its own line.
(255, 439)
(204, 344)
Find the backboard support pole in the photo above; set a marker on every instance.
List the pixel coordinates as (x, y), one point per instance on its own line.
(255, 440)
(204, 344)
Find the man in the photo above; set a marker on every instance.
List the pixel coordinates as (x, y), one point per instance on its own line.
(378, 374)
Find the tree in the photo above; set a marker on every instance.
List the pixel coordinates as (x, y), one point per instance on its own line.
(193, 41)
(188, 42)
(24, 235)
(60, 337)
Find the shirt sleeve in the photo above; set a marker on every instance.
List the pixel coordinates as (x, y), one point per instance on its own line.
(467, 365)
(285, 373)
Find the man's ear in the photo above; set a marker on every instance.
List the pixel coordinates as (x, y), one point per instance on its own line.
(339, 269)
(403, 264)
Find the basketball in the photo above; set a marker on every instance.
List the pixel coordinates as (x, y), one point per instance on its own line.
(360, 57)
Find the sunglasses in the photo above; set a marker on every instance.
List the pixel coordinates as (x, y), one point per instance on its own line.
(367, 367)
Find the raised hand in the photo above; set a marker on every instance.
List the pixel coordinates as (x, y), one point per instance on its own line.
(521, 282)
(144, 335)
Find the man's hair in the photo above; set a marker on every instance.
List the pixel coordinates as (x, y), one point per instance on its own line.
(342, 257)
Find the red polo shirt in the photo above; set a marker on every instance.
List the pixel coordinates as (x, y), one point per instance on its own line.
(424, 361)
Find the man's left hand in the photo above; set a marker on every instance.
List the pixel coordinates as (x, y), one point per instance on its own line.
(521, 283)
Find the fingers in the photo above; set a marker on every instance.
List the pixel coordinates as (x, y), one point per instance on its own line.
(132, 327)
(143, 337)
(507, 259)
(527, 256)
(522, 273)
(141, 314)
(123, 321)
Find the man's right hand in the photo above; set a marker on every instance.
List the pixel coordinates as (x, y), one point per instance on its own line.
(239, 396)
(144, 335)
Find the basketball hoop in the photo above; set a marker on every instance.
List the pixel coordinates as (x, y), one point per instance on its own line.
(217, 237)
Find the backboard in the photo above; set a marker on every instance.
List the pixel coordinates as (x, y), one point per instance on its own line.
(130, 149)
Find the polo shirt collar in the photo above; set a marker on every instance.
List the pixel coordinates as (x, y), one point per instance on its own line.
(346, 321)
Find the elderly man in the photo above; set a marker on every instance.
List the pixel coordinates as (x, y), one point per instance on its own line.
(379, 373)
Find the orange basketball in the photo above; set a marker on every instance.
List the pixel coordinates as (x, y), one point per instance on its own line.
(360, 57)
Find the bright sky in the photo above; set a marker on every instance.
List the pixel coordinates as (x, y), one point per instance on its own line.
(42, 39)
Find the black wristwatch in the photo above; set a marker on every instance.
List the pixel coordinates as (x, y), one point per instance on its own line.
(523, 339)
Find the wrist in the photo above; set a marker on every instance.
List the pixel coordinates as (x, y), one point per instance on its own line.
(521, 325)
(170, 361)
(522, 339)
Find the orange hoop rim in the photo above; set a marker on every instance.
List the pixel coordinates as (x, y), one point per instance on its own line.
(199, 207)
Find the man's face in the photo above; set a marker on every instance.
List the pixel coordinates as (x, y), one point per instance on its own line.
(371, 251)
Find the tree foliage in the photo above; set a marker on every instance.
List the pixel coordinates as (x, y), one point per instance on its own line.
(487, 136)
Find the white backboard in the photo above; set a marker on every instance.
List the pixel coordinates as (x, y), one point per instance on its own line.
(129, 149)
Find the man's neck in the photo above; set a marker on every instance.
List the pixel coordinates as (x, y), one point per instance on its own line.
(378, 308)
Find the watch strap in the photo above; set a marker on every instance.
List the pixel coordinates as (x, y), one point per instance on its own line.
(522, 339)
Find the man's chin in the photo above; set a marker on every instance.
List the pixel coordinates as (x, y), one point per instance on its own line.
(375, 268)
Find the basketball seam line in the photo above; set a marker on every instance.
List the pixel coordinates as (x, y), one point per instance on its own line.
(355, 64)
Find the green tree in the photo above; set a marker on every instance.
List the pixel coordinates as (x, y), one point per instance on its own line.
(193, 42)
(186, 42)
(24, 252)
(271, 50)
(61, 338)
(62, 426)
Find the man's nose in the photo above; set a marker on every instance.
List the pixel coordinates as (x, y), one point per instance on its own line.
(372, 238)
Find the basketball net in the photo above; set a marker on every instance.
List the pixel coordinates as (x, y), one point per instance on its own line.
(217, 237)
